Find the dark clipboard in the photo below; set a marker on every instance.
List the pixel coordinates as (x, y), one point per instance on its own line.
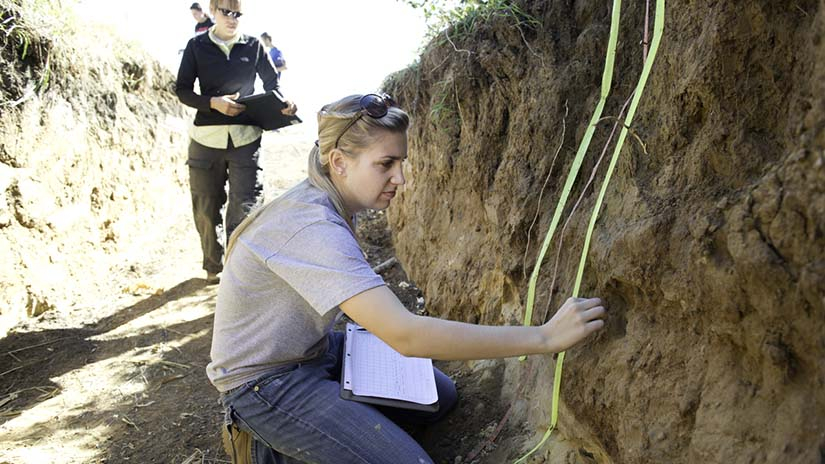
(347, 394)
(265, 110)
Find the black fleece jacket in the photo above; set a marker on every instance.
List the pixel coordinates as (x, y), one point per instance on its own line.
(222, 75)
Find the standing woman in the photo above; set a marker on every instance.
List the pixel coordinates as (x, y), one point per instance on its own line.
(224, 143)
(294, 262)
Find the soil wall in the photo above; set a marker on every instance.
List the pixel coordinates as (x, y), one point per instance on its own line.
(92, 145)
(709, 248)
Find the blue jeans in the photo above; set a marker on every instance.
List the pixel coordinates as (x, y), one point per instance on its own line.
(297, 415)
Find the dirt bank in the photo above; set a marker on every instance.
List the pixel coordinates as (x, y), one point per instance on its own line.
(91, 160)
(709, 249)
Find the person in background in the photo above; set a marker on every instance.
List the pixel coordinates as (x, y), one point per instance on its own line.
(204, 22)
(275, 54)
(294, 264)
(224, 143)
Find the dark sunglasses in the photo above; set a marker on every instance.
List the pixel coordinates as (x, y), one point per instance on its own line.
(373, 105)
(230, 13)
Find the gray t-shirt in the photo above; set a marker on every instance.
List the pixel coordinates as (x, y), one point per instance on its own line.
(281, 287)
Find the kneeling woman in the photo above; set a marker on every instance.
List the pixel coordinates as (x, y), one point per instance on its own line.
(292, 264)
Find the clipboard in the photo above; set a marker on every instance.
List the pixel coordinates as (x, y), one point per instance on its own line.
(366, 353)
(264, 109)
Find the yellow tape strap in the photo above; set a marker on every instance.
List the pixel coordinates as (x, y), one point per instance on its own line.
(658, 28)
(607, 80)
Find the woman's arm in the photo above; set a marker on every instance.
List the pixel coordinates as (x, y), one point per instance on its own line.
(266, 70)
(380, 312)
(185, 83)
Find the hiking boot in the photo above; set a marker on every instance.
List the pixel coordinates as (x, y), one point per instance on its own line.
(212, 278)
(237, 444)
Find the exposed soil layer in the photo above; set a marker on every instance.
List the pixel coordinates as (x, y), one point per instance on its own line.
(91, 152)
(709, 249)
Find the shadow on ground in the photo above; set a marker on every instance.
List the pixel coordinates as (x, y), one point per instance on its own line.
(147, 398)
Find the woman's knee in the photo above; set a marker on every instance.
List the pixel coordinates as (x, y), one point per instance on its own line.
(447, 395)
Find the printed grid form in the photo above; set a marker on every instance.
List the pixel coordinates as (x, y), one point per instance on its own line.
(378, 370)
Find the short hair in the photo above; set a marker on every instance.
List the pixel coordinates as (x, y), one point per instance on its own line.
(233, 4)
(266, 36)
(196, 6)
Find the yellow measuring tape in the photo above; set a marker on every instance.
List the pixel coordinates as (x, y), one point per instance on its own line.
(607, 80)
(658, 28)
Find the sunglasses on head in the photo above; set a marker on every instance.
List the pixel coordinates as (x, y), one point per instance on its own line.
(230, 13)
(373, 105)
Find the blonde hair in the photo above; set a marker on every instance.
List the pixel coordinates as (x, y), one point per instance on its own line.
(232, 4)
(333, 120)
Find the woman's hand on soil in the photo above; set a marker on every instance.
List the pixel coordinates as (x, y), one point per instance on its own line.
(573, 322)
(290, 109)
(227, 105)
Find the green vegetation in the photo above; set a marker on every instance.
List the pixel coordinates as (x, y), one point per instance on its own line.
(13, 33)
(26, 50)
(464, 16)
(440, 111)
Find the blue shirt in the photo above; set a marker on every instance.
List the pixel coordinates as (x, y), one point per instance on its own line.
(277, 57)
